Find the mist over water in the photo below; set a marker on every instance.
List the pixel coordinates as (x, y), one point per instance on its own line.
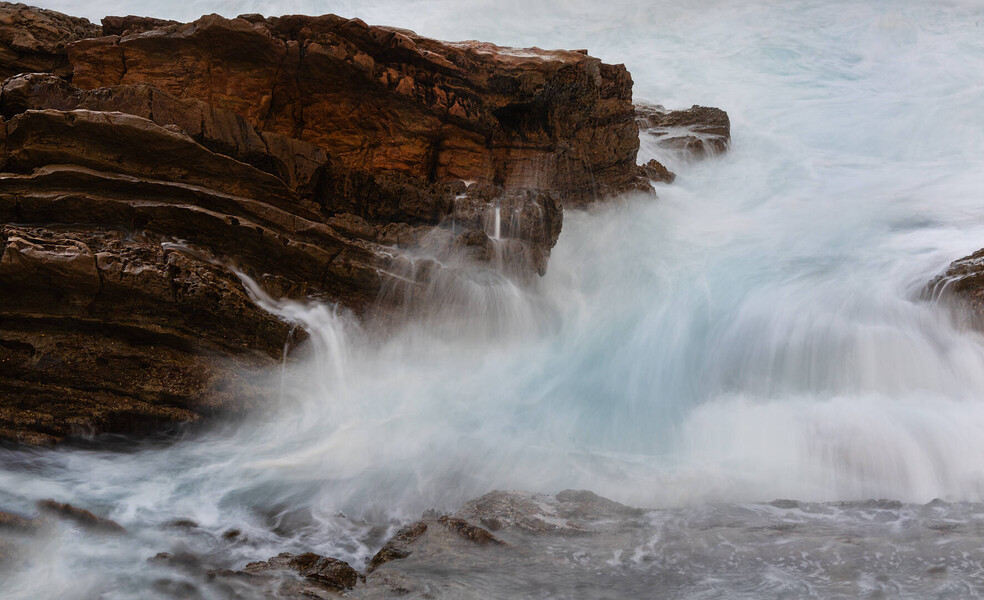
(755, 333)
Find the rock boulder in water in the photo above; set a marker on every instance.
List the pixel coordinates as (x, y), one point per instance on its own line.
(698, 131)
(962, 286)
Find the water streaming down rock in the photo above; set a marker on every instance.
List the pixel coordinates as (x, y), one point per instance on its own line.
(757, 333)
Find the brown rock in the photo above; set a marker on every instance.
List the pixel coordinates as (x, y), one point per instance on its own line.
(398, 546)
(121, 143)
(961, 287)
(655, 171)
(299, 165)
(80, 516)
(130, 25)
(11, 521)
(698, 131)
(570, 512)
(34, 39)
(100, 332)
(388, 101)
(468, 531)
(325, 571)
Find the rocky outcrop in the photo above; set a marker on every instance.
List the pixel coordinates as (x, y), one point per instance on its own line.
(696, 132)
(80, 516)
(148, 168)
(384, 100)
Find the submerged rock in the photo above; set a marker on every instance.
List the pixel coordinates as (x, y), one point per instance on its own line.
(398, 546)
(11, 521)
(80, 516)
(325, 571)
(468, 531)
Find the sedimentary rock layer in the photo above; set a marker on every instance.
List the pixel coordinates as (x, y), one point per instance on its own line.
(385, 100)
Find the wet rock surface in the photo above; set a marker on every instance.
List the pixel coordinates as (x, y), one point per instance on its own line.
(575, 544)
(962, 287)
(697, 132)
(321, 570)
(15, 522)
(578, 544)
(79, 516)
(398, 546)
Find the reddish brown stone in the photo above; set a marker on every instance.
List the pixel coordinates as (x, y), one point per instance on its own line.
(388, 101)
(34, 39)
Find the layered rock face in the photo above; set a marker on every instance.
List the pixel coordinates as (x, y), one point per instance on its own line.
(147, 166)
(387, 101)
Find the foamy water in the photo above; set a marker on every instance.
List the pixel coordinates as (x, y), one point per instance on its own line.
(753, 334)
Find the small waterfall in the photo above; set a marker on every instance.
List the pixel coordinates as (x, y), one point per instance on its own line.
(497, 232)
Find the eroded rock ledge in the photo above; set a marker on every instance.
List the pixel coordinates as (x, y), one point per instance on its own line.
(145, 162)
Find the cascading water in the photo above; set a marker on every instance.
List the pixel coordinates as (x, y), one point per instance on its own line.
(497, 229)
(755, 333)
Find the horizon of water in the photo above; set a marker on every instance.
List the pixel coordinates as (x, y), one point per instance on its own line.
(755, 333)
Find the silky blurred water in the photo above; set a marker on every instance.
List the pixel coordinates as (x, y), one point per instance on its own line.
(754, 333)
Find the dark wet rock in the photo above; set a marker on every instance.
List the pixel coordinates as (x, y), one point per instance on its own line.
(176, 588)
(841, 548)
(961, 287)
(104, 333)
(113, 142)
(585, 504)
(299, 165)
(468, 531)
(570, 512)
(325, 571)
(15, 522)
(655, 171)
(183, 524)
(531, 513)
(80, 516)
(180, 559)
(783, 503)
(399, 546)
(698, 131)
